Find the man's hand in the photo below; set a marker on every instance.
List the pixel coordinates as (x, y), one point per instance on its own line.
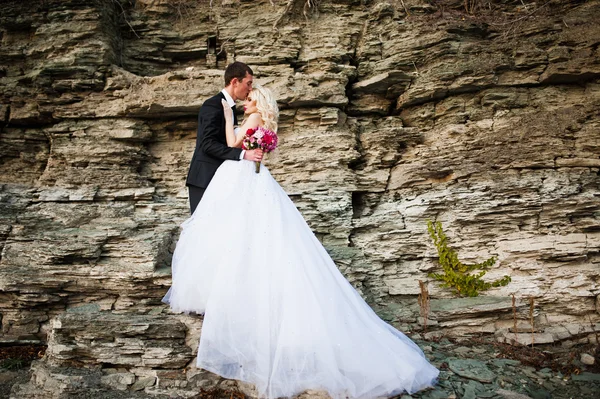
(253, 155)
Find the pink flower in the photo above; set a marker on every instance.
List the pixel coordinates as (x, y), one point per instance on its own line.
(260, 137)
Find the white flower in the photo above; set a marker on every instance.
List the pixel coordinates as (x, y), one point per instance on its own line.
(259, 134)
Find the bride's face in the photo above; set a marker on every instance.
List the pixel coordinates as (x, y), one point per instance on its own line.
(250, 105)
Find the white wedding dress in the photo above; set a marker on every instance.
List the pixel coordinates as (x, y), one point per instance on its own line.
(277, 312)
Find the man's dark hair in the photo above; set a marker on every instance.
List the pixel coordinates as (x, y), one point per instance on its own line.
(236, 70)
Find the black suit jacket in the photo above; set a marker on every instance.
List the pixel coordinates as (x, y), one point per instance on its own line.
(211, 144)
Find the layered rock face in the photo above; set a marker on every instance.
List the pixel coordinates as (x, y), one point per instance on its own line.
(486, 119)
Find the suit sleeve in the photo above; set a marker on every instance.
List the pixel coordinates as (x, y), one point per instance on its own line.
(212, 122)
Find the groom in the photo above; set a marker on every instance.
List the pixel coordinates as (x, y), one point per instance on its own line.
(211, 144)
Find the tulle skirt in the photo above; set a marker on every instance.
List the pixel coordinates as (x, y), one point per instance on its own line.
(278, 313)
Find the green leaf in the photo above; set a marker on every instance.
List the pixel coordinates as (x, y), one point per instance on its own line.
(457, 275)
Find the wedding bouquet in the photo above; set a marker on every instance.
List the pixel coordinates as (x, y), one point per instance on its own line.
(262, 138)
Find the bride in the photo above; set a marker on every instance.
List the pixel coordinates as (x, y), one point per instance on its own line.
(277, 312)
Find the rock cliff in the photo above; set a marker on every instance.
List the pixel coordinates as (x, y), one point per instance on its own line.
(483, 115)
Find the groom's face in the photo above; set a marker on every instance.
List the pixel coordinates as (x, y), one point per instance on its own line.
(241, 88)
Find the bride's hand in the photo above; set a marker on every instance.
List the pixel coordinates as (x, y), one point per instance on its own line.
(227, 109)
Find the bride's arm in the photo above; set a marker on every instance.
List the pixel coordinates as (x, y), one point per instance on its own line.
(229, 134)
(250, 123)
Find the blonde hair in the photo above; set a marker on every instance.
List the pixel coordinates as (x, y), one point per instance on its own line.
(266, 106)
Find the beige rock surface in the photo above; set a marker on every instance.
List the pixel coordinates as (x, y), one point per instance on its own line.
(390, 115)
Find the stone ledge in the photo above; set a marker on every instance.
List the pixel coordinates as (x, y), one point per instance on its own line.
(125, 340)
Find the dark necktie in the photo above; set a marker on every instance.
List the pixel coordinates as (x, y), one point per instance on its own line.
(235, 121)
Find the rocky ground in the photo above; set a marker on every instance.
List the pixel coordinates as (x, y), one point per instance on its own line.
(469, 370)
(484, 119)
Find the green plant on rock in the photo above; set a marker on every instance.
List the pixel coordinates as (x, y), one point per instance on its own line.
(12, 364)
(457, 275)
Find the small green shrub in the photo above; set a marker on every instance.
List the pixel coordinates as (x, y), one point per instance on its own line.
(12, 364)
(457, 275)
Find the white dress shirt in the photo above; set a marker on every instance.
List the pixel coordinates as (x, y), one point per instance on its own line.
(231, 103)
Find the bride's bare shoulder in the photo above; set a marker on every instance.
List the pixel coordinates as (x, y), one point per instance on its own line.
(255, 116)
(254, 119)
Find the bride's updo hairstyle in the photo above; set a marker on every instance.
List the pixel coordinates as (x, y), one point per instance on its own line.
(266, 105)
